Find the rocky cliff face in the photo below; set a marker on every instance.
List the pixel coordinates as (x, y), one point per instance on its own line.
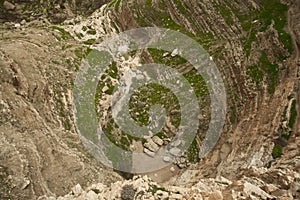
(255, 44)
(56, 11)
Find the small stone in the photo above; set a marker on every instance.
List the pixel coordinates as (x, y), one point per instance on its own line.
(182, 160)
(182, 165)
(105, 89)
(17, 25)
(165, 54)
(174, 52)
(167, 159)
(8, 6)
(139, 77)
(77, 190)
(149, 153)
(91, 195)
(23, 22)
(175, 151)
(161, 194)
(157, 140)
(175, 196)
(172, 169)
(249, 188)
(151, 145)
(270, 188)
(167, 140)
(25, 184)
(200, 117)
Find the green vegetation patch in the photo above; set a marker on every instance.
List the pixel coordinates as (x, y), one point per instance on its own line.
(196, 81)
(65, 35)
(272, 72)
(258, 21)
(277, 151)
(265, 69)
(115, 4)
(91, 32)
(193, 152)
(160, 17)
(293, 114)
(226, 13)
(256, 74)
(152, 94)
(89, 41)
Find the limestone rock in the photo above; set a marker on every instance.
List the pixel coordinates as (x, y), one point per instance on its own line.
(23, 22)
(91, 195)
(253, 189)
(105, 89)
(148, 152)
(174, 52)
(161, 194)
(176, 196)
(167, 159)
(175, 151)
(152, 146)
(157, 140)
(77, 189)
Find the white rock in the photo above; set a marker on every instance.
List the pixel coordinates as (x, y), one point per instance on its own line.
(165, 54)
(77, 189)
(17, 25)
(139, 77)
(157, 140)
(175, 151)
(25, 184)
(175, 196)
(174, 52)
(223, 180)
(91, 195)
(105, 89)
(123, 49)
(23, 22)
(253, 189)
(182, 165)
(167, 159)
(149, 153)
(172, 169)
(151, 145)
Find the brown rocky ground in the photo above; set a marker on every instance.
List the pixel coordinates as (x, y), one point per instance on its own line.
(39, 147)
(41, 153)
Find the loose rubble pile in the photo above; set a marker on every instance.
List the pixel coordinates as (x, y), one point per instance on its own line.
(252, 187)
(153, 144)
